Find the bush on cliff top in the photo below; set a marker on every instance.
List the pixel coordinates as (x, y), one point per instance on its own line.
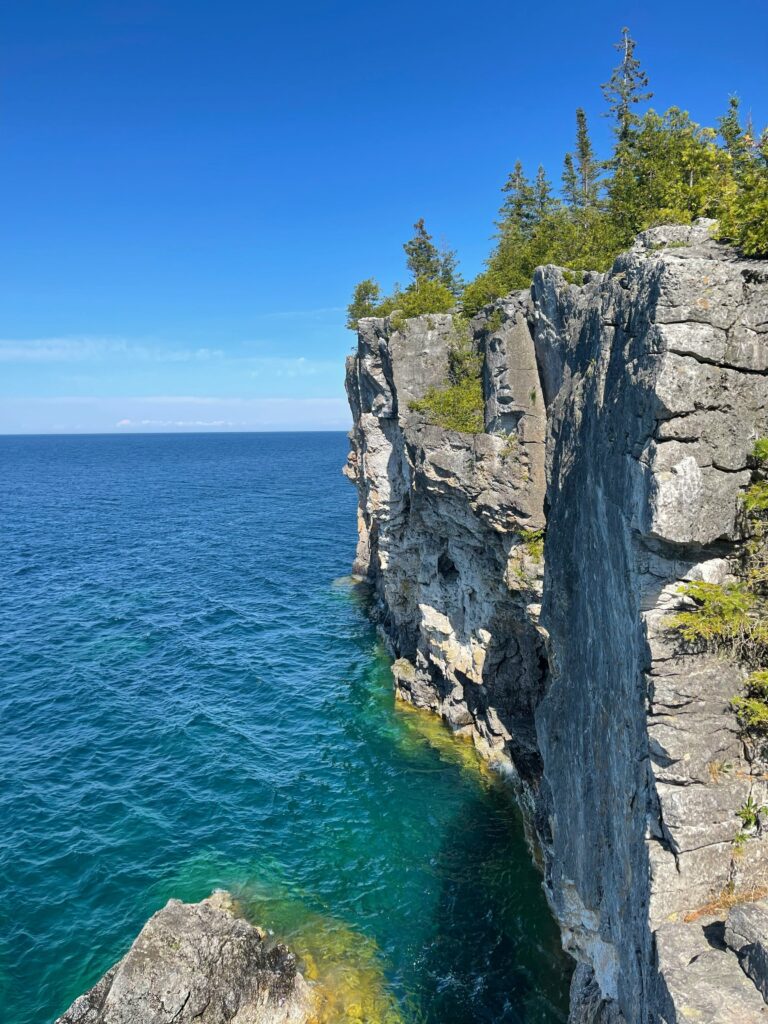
(434, 286)
(664, 168)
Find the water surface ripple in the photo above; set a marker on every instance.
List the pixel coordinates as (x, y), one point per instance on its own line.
(191, 698)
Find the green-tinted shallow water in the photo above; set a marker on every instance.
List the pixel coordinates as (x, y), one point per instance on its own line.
(192, 698)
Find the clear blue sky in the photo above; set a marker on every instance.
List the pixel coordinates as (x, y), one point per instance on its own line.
(190, 188)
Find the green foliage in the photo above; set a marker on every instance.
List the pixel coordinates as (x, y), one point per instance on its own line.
(745, 219)
(424, 296)
(760, 450)
(587, 167)
(422, 257)
(756, 497)
(365, 299)
(510, 446)
(627, 86)
(495, 320)
(750, 812)
(752, 708)
(665, 168)
(454, 407)
(672, 172)
(459, 404)
(720, 615)
(533, 541)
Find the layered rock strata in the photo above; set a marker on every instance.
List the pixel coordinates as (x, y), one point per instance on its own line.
(620, 413)
(198, 962)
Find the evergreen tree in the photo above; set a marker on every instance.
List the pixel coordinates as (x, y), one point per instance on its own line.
(587, 167)
(518, 211)
(423, 259)
(570, 181)
(738, 141)
(627, 86)
(543, 200)
(449, 271)
(746, 219)
(364, 301)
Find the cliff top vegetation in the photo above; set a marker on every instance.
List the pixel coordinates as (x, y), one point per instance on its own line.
(663, 168)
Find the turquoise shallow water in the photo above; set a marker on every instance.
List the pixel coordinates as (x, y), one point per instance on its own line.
(191, 698)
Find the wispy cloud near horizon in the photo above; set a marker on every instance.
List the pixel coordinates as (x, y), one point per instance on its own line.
(94, 414)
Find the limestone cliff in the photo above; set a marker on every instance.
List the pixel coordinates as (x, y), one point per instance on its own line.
(620, 413)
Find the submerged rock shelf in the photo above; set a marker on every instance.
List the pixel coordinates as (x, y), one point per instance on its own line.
(620, 414)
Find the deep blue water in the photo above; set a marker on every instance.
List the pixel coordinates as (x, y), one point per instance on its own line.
(192, 697)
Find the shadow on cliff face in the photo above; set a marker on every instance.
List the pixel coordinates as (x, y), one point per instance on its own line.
(495, 951)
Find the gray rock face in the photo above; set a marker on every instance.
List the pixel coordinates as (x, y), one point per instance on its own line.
(746, 932)
(198, 962)
(626, 407)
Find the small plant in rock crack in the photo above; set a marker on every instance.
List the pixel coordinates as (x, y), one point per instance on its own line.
(756, 495)
(494, 321)
(533, 542)
(751, 825)
(752, 708)
(719, 768)
(511, 441)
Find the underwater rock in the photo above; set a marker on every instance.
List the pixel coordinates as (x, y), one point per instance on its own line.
(198, 962)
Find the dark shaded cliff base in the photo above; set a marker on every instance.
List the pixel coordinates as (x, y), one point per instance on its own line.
(620, 414)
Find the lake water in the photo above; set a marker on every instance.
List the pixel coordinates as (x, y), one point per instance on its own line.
(193, 697)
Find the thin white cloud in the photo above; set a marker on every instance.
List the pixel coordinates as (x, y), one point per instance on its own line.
(209, 424)
(76, 350)
(299, 314)
(92, 414)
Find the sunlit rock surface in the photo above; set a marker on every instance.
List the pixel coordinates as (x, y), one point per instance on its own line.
(198, 962)
(620, 413)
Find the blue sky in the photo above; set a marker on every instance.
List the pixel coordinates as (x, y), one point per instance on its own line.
(191, 189)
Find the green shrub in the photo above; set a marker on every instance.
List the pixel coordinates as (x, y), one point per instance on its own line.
(454, 407)
(760, 450)
(756, 497)
(752, 708)
(533, 541)
(721, 615)
(424, 296)
(459, 404)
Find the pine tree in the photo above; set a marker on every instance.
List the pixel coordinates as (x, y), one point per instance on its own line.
(449, 271)
(543, 200)
(519, 208)
(364, 301)
(587, 167)
(570, 181)
(738, 141)
(627, 86)
(422, 256)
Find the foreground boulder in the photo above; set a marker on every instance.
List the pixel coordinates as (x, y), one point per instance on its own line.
(746, 932)
(198, 962)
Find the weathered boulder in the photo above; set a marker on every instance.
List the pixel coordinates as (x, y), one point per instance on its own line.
(198, 962)
(746, 932)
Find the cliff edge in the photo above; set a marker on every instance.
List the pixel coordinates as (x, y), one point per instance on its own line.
(525, 577)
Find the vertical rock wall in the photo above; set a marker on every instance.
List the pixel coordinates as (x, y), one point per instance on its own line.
(619, 413)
